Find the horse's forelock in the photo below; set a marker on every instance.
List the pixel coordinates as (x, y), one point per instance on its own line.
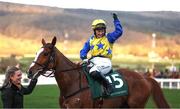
(48, 45)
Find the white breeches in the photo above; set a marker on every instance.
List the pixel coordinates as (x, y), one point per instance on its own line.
(100, 64)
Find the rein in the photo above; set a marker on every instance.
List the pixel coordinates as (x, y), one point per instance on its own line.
(80, 86)
(66, 70)
(96, 103)
(45, 68)
(52, 59)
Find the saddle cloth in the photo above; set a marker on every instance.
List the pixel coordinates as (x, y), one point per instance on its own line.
(120, 87)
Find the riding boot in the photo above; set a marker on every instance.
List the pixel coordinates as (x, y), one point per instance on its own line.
(102, 79)
(108, 87)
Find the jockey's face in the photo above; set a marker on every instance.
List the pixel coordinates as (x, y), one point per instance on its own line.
(99, 33)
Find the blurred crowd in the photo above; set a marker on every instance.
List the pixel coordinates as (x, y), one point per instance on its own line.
(166, 73)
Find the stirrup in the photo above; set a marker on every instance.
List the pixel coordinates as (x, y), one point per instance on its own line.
(109, 88)
(107, 91)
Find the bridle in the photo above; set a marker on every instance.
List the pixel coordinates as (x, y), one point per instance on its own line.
(45, 66)
(51, 59)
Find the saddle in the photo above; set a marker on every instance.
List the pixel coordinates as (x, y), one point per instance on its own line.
(119, 85)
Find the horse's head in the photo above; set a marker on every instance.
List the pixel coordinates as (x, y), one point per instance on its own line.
(44, 60)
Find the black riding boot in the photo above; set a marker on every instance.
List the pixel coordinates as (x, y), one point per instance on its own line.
(102, 79)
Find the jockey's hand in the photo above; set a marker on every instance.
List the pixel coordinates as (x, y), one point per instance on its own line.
(79, 63)
(85, 61)
(115, 16)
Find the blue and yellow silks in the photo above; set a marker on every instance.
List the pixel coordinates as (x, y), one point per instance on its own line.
(102, 46)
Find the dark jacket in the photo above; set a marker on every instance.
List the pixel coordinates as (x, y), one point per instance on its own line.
(12, 97)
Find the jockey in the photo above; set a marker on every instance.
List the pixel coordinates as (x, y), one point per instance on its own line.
(100, 44)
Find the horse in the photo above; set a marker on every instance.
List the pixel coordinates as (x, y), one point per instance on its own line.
(74, 90)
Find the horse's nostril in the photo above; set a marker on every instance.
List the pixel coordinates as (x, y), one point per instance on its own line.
(29, 74)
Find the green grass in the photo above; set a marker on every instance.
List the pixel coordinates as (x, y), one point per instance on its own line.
(172, 96)
(43, 96)
(46, 96)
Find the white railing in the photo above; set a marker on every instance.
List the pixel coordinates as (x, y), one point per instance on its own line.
(164, 83)
(169, 83)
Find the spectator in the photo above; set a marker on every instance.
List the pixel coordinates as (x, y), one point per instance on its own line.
(12, 91)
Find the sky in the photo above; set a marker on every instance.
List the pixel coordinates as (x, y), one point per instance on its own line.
(113, 5)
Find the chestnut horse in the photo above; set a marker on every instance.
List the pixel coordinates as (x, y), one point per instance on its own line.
(74, 90)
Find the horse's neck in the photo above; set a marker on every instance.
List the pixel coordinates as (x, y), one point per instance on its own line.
(64, 63)
(68, 80)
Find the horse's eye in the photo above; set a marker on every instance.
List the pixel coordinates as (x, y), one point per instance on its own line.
(46, 54)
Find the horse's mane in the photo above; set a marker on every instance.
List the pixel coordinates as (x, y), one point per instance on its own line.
(66, 59)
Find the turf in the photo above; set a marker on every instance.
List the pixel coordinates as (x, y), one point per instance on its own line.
(46, 96)
(172, 96)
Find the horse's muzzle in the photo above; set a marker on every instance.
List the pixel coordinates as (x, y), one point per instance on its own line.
(30, 74)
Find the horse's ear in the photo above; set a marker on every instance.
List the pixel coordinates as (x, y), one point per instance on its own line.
(54, 41)
(43, 42)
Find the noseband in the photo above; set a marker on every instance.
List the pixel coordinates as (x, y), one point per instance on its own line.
(51, 59)
(44, 67)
